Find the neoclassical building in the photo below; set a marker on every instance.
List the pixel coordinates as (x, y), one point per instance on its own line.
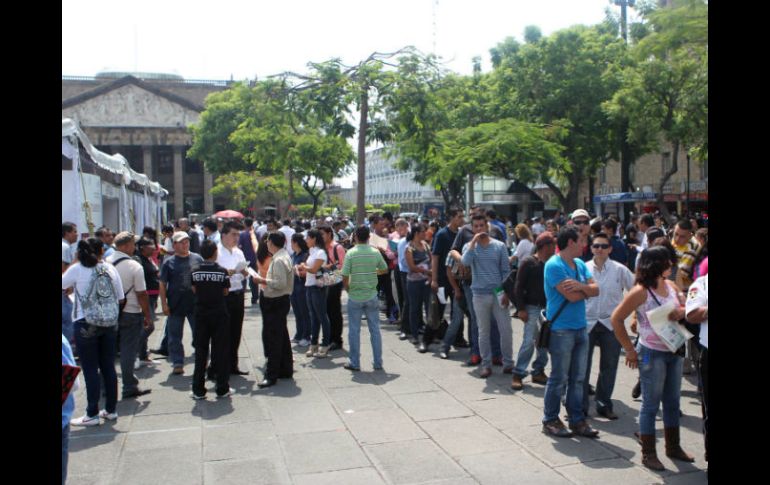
(145, 118)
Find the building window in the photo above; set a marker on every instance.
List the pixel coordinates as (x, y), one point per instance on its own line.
(193, 204)
(192, 166)
(165, 159)
(665, 163)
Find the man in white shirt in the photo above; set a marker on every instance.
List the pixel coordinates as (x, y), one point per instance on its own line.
(287, 231)
(537, 227)
(136, 313)
(612, 278)
(230, 257)
(697, 311)
(210, 231)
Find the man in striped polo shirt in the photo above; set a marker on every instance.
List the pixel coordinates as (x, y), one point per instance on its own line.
(359, 275)
(488, 260)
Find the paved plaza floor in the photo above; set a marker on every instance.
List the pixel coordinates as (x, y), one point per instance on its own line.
(420, 420)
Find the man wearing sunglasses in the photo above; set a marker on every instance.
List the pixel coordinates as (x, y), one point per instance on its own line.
(581, 221)
(612, 278)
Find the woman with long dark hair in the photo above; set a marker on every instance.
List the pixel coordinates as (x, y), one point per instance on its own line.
(96, 343)
(418, 278)
(316, 295)
(298, 295)
(660, 370)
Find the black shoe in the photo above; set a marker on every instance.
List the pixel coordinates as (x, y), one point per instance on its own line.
(350, 367)
(335, 346)
(461, 344)
(402, 336)
(136, 393)
(637, 390)
(591, 390)
(238, 372)
(422, 348)
(267, 383)
(607, 413)
(286, 376)
(160, 352)
(414, 341)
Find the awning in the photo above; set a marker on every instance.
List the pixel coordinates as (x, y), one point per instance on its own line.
(623, 197)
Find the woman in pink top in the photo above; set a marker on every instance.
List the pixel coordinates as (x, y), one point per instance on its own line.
(660, 370)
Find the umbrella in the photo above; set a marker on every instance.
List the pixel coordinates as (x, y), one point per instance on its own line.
(229, 214)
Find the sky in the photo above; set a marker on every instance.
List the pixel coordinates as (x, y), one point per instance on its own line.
(242, 39)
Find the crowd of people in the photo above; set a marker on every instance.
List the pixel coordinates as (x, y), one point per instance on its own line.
(585, 276)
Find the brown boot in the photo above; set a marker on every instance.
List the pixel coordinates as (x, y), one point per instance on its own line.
(649, 456)
(673, 450)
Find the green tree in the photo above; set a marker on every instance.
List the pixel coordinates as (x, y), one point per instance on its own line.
(560, 81)
(666, 93)
(250, 189)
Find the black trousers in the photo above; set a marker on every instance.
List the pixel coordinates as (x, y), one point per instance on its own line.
(334, 311)
(405, 327)
(235, 308)
(400, 287)
(211, 327)
(385, 284)
(275, 336)
(431, 334)
(704, 379)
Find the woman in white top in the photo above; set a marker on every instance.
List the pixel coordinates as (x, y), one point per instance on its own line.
(96, 344)
(316, 295)
(524, 245)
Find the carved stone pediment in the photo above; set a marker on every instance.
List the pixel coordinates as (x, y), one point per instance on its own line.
(131, 106)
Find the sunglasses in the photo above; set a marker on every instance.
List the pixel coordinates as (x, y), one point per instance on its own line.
(580, 222)
(600, 246)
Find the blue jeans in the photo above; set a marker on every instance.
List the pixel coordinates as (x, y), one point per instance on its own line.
(97, 356)
(319, 320)
(418, 294)
(175, 326)
(65, 452)
(490, 314)
(371, 309)
(301, 314)
(528, 346)
(661, 377)
(459, 308)
(66, 318)
(608, 367)
(569, 357)
(494, 334)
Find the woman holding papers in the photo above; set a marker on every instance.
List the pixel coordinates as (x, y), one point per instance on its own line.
(660, 368)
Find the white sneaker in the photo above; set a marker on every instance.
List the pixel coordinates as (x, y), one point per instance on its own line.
(197, 397)
(304, 342)
(86, 421)
(111, 416)
(137, 364)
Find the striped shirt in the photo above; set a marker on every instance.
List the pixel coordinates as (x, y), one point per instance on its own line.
(489, 266)
(361, 265)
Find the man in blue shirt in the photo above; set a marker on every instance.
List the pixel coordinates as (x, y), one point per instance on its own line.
(568, 282)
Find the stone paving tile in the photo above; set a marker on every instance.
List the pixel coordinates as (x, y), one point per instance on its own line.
(466, 436)
(382, 426)
(413, 462)
(560, 451)
(163, 439)
(165, 421)
(360, 398)
(368, 475)
(304, 416)
(257, 471)
(609, 471)
(90, 478)
(174, 464)
(94, 454)
(241, 441)
(324, 451)
(432, 405)
(512, 466)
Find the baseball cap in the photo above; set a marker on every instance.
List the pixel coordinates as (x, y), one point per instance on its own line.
(180, 236)
(124, 237)
(544, 239)
(580, 213)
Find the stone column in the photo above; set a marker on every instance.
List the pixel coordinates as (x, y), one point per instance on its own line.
(178, 183)
(147, 160)
(208, 199)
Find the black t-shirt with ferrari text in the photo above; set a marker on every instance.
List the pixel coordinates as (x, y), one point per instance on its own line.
(209, 281)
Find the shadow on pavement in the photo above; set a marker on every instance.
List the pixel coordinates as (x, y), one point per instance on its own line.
(284, 388)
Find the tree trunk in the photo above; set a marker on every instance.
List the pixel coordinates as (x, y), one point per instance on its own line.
(362, 129)
(291, 190)
(471, 192)
(674, 168)
(626, 159)
(591, 183)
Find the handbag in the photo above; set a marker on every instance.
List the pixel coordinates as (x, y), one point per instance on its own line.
(434, 313)
(544, 326)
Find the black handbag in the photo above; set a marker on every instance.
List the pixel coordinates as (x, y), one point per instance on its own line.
(544, 327)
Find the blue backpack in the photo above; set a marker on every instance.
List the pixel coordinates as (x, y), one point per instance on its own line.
(100, 303)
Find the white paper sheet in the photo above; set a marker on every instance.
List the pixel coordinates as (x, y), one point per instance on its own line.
(441, 295)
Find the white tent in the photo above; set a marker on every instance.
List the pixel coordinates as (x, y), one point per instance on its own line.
(100, 189)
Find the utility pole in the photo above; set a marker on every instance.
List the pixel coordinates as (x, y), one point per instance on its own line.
(625, 161)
